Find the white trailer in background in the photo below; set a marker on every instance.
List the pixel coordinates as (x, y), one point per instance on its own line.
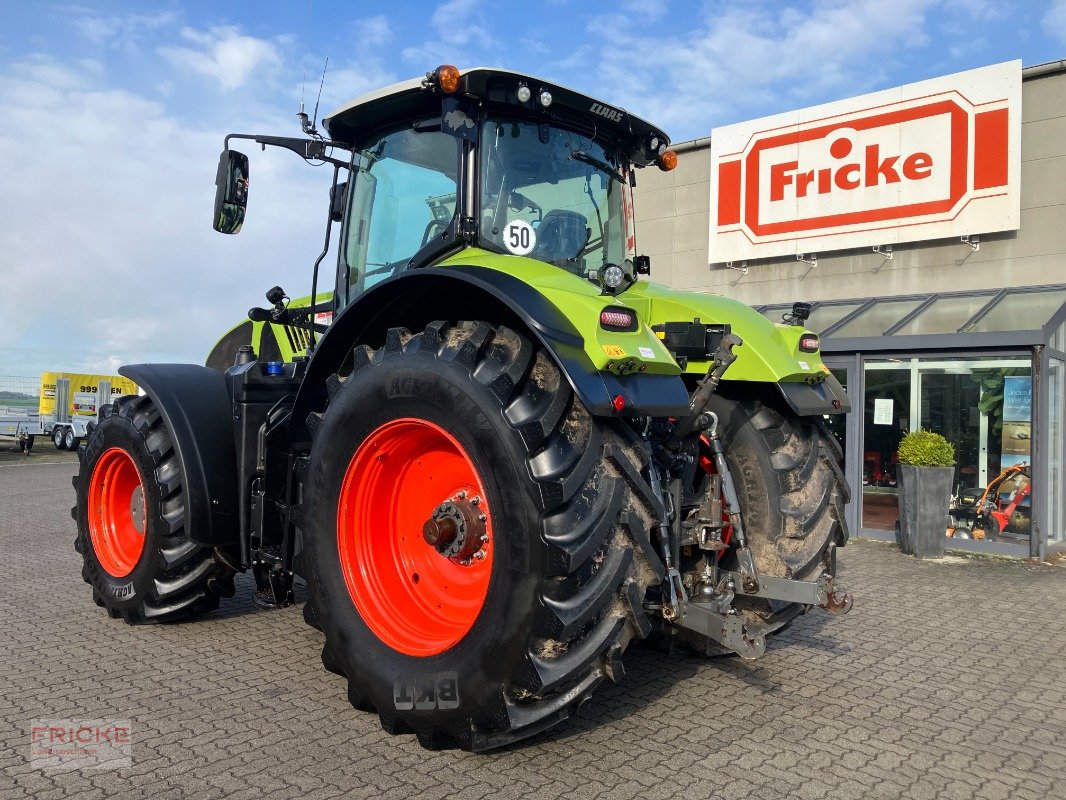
(69, 403)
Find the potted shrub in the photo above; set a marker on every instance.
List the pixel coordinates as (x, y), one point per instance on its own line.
(926, 471)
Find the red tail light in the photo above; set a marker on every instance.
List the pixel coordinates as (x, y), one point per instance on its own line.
(618, 319)
(809, 343)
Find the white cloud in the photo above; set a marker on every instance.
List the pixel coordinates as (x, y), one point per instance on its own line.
(120, 30)
(1054, 21)
(746, 57)
(461, 35)
(224, 54)
(106, 251)
(372, 33)
(650, 10)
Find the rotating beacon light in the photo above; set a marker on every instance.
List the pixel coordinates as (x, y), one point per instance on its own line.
(446, 78)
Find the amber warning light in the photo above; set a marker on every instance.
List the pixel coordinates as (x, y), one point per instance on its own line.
(668, 160)
(447, 78)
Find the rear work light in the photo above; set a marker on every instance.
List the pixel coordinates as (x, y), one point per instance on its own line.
(614, 318)
(809, 343)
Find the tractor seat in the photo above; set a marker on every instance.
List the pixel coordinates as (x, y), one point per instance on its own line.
(561, 236)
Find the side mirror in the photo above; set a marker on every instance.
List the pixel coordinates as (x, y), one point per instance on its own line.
(231, 191)
(338, 199)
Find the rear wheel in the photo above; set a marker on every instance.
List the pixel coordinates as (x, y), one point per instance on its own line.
(136, 551)
(477, 545)
(57, 437)
(70, 441)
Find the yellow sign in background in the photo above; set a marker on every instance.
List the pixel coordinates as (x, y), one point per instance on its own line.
(84, 391)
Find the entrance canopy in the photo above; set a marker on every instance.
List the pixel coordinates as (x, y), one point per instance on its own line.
(1019, 317)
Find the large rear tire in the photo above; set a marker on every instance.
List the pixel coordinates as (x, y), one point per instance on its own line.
(472, 648)
(136, 550)
(792, 492)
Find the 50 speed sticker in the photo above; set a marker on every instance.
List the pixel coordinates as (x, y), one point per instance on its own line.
(519, 237)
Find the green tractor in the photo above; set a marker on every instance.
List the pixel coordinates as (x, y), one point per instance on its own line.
(495, 453)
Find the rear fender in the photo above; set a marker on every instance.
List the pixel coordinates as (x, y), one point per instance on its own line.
(770, 354)
(415, 298)
(196, 408)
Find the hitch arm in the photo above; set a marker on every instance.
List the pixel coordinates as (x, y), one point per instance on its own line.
(723, 358)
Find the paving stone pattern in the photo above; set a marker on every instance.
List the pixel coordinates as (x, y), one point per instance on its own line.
(945, 681)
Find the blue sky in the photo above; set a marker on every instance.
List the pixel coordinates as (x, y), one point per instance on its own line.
(116, 113)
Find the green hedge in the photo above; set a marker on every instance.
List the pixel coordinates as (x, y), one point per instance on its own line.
(926, 449)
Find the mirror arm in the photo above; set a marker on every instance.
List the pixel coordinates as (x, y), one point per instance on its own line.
(307, 149)
(295, 319)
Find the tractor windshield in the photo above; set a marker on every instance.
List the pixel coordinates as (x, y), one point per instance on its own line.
(554, 195)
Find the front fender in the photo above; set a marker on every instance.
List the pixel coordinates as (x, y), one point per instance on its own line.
(196, 408)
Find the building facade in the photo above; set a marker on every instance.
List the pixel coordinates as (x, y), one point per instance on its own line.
(964, 334)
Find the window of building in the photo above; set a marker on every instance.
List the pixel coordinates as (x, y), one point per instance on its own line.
(878, 318)
(946, 314)
(1020, 311)
(982, 406)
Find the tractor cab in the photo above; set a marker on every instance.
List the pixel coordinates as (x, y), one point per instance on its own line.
(485, 158)
(494, 159)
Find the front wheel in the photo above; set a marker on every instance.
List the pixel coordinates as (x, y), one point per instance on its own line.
(57, 437)
(477, 544)
(136, 550)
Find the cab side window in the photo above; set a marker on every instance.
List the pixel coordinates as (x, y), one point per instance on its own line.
(404, 196)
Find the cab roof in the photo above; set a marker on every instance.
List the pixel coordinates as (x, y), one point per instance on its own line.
(495, 90)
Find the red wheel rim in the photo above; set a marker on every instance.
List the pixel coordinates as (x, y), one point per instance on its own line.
(116, 512)
(417, 600)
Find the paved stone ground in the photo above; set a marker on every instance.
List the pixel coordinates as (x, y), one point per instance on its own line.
(945, 681)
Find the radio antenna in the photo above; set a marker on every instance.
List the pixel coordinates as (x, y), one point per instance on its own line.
(301, 114)
(321, 83)
(309, 125)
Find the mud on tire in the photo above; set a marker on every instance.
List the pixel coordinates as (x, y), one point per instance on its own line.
(165, 576)
(791, 487)
(571, 517)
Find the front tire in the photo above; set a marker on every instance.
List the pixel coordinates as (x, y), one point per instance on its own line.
(136, 550)
(474, 648)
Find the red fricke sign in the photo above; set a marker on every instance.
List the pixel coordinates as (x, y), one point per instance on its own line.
(929, 160)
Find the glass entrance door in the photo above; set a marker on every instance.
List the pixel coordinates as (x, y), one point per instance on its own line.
(887, 406)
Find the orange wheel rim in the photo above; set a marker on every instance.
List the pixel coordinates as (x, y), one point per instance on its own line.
(116, 512)
(419, 598)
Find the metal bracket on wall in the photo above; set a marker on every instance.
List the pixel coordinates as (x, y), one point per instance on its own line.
(974, 242)
(884, 250)
(742, 269)
(812, 262)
